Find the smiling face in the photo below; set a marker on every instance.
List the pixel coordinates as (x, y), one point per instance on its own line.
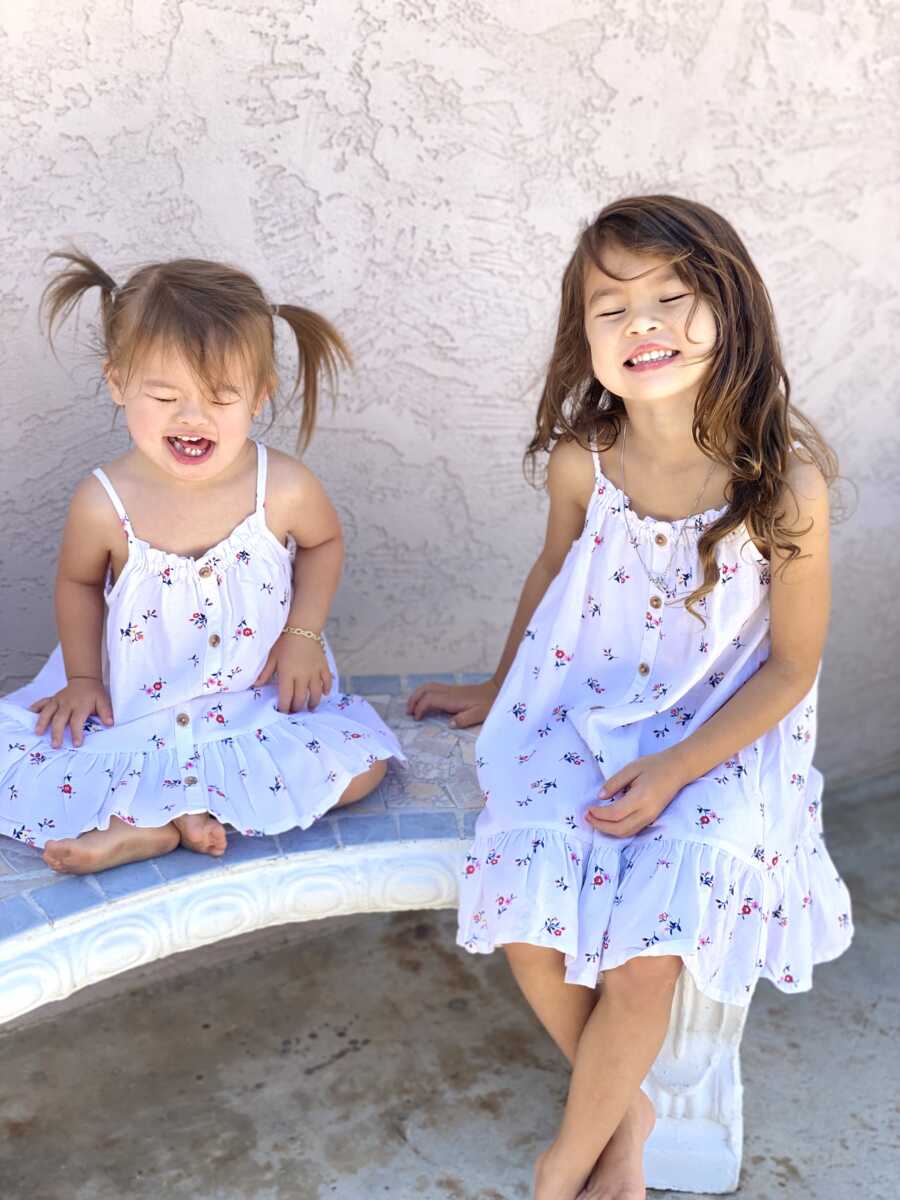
(642, 345)
(179, 425)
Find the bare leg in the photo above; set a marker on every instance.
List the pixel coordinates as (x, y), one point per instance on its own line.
(360, 785)
(620, 1041)
(103, 848)
(564, 1009)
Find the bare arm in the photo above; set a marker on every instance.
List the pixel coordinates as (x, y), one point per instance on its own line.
(570, 479)
(81, 573)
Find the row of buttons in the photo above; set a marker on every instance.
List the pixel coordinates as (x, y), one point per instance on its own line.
(655, 602)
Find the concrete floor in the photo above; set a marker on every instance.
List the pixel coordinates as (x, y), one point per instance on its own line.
(367, 1057)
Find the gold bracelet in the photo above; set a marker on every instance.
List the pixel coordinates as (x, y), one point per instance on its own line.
(307, 633)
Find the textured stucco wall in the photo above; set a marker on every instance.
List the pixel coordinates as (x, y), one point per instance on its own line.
(418, 171)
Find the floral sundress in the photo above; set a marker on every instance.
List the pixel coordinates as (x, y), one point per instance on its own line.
(733, 876)
(184, 640)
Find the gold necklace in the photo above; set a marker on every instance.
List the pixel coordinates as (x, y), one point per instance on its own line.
(659, 580)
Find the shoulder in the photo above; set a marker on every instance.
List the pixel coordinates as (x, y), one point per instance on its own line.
(296, 501)
(804, 494)
(288, 479)
(570, 471)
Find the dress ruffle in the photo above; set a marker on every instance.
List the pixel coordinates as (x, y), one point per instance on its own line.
(286, 773)
(601, 903)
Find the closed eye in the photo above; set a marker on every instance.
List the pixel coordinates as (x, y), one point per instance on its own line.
(671, 299)
(665, 300)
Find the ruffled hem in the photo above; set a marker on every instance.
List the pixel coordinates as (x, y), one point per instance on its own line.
(601, 904)
(282, 776)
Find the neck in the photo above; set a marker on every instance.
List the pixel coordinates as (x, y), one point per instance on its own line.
(660, 434)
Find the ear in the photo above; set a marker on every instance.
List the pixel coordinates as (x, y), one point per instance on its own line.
(114, 384)
(259, 404)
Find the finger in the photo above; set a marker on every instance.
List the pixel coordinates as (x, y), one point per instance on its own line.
(469, 716)
(285, 695)
(104, 710)
(315, 696)
(46, 714)
(39, 704)
(76, 725)
(616, 782)
(58, 726)
(327, 681)
(620, 810)
(434, 701)
(299, 701)
(266, 673)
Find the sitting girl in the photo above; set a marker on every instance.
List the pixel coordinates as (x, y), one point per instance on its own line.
(211, 699)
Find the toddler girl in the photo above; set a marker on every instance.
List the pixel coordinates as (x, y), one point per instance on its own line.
(193, 688)
(646, 757)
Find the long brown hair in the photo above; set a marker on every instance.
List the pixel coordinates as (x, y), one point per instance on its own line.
(744, 400)
(203, 311)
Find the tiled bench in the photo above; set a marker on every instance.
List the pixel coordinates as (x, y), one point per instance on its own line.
(403, 847)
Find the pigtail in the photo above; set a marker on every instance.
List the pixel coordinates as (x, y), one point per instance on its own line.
(64, 291)
(320, 348)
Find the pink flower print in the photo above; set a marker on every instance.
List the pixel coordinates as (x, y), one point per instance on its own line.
(798, 780)
(727, 572)
(477, 919)
(748, 907)
(542, 785)
(765, 577)
(620, 575)
(523, 758)
(806, 901)
(215, 681)
(485, 796)
(682, 577)
(737, 767)
(544, 731)
(598, 541)
(600, 879)
(157, 741)
(472, 865)
(651, 622)
(680, 715)
(166, 576)
(126, 817)
(66, 786)
(261, 736)
(801, 734)
(216, 714)
(552, 925)
(171, 783)
(813, 808)
(243, 630)
(352, 735)
(153, 690)
(503, 903)
(276, 786)
(593, 606)
(706, 816)
(519, 710)
(492, 858)
(573, 759)
(594, 685)
(778, 915)
(253, 833)
(561, 657)
(716, 678)
(786, 976)
(344, 702)
(132, 633)
(22, 834)
(199, 619)
(214, 791)
(560, 713)
(36, 758)
(704, 646)
(659, 690)
(705, 940)
(242, 557)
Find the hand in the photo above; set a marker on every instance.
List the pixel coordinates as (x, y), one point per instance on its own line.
(647, 785)
(470, 702)
(72, 705)
(302, 669)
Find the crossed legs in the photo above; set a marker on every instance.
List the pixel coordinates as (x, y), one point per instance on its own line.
(611, 1040)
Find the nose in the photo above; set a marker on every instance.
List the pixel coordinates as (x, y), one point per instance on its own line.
(644, 321)
(191, 410)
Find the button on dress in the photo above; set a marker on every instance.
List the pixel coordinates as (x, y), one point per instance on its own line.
(734, 875)
(184, 640)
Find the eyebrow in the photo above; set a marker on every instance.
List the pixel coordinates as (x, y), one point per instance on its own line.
(602, 293)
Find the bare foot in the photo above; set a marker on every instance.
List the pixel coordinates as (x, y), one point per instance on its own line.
(103, 848)
(619, 1173)
(551, 1179)
(201, 832)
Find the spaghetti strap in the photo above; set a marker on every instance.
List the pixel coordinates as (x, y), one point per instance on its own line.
(114, 498)
(598, 473)
(261, 473)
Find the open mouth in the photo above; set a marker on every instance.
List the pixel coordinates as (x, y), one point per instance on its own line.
(191, 449)
(652, 360)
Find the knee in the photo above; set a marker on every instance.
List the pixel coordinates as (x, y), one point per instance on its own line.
(643, 980)
(360, 785)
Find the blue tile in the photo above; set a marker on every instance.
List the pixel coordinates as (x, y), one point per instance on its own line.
(71, 895)
(22, 859)
(131, 878)
(376, 685)
(413, 681)
(469, 819)
(320, 836)
(17, 915)
(359, 831)
(427, 825)
(247, 849)
(183, 862)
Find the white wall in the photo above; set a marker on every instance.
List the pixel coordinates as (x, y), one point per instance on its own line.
(418, 171)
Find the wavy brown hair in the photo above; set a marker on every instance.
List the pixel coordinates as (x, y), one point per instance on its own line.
(744, 399)
(205, 311)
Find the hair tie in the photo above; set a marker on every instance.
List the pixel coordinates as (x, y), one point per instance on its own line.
(114, 293)
(274, 310)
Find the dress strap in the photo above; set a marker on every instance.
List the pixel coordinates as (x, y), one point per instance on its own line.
(116, 502)
(598, 472)
(261, 473)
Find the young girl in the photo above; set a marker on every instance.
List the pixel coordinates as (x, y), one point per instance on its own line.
(212, 697)
(646, 758)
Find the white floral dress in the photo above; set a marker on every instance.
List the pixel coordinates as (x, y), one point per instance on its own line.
(733, 876)
(185, 639)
